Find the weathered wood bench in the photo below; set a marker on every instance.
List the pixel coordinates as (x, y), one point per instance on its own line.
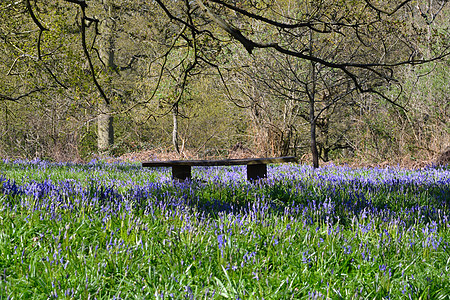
(256, 167)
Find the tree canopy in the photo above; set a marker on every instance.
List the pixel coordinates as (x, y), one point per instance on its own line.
(282, 62)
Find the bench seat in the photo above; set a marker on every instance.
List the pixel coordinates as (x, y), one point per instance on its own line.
(256, 167)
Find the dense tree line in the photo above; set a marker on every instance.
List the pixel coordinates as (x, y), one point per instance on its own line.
(317, 79)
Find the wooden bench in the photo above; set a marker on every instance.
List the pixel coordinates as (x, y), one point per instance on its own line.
(256, 167)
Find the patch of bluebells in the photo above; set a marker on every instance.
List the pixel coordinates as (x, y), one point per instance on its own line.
(328, 206)
(327, 202)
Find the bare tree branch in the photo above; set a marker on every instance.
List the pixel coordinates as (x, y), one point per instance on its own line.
(15, 99)
(233, 31)
(39, 25)
(85, 23)
(311, 24)
(389, 13)
(376, 68)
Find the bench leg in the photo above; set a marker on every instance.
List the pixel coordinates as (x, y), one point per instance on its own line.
(255, 172)
(181, 172)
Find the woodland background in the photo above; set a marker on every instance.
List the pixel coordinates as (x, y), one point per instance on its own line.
(79, 79)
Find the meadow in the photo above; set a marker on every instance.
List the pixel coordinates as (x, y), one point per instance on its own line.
(118, 231)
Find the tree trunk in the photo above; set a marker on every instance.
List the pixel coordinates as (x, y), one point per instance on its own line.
(312, 100)
(315, 153)
(175, 128)
(105, 139)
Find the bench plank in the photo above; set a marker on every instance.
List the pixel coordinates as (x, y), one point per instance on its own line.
(256, 167)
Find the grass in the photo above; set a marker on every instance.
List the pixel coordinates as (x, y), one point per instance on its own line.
(117, 231)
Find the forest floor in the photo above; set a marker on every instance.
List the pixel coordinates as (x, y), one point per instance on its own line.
(166, 154)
